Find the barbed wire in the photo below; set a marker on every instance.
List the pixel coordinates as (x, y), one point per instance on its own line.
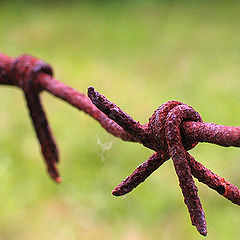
(173, 129)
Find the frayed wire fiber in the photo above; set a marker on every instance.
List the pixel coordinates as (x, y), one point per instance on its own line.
(103, 148)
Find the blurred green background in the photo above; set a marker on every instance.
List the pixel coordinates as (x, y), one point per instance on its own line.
(139, 54)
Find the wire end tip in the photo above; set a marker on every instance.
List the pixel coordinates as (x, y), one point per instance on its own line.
(117, 192)
(203, 231)
(91, 90)
(58, 180)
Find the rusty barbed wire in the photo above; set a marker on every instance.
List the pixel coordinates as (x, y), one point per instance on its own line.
(173, 129)
(33, 76)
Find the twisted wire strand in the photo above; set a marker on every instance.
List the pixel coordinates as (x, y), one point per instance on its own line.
(173, 129)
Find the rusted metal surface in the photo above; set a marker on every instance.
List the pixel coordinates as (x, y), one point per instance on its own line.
(33, 76)
(178, 154)
(213, 181)
(140, 174)
(173, 129)
(22, 73)
(82, 102)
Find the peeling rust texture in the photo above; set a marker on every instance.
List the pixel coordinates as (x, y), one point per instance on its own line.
(172, 130)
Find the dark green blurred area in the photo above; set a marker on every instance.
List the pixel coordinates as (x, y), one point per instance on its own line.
(139, 54)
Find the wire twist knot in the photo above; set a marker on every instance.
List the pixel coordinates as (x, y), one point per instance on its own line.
(163, 134)
(160, 119)
(24, 70)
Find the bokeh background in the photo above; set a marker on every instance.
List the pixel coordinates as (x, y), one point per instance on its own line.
(139, 54)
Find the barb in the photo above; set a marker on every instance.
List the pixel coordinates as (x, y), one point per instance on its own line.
(173, 129)
(33, 76)
(139, 175)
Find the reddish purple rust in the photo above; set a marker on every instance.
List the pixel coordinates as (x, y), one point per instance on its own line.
(213, 181)
(142, 172)
(178, 154)
(82, 102)
(32, 76)
(173, 129)
(22, 73)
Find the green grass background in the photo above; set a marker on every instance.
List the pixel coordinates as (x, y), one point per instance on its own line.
(139, 54)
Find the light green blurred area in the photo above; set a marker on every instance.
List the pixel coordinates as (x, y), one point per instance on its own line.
(139, 54)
